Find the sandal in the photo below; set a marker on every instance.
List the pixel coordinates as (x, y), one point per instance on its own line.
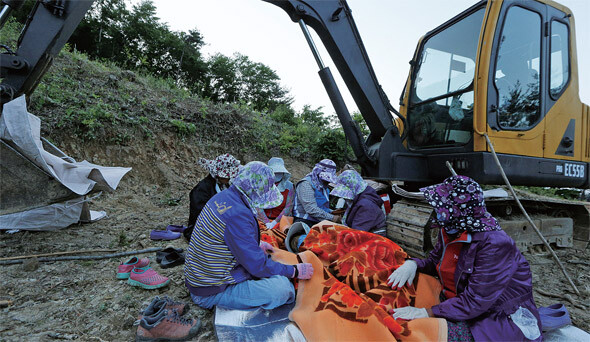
(161, 254)
(176, 228)
(172, 259)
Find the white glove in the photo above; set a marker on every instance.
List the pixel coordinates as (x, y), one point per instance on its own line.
(403, 275)
(271, 224)
(409, 313)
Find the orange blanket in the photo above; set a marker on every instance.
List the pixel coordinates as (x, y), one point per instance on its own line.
(276, 236)
(348, 298)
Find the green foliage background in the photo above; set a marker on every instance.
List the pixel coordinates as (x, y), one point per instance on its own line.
(124, 76)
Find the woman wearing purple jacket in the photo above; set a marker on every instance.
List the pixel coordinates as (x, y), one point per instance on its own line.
(364, 207)
(487, 288)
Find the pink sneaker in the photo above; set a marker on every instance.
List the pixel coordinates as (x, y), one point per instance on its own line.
(125, 268)
(147, 278)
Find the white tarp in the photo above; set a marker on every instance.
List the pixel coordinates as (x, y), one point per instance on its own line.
(50, 217)
(257, 325)
(24, 130)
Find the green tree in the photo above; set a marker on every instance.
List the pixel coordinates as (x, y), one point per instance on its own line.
(285, 114)
(332, 144)
(101, 32)
(237, 78)
(362, 124)
(136, 39)
(192, 67)
(314, 117)
(260, 85)
(221, 83)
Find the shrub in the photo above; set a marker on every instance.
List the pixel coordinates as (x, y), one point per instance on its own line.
(183, 128)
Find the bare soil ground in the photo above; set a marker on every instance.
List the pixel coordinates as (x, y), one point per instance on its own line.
(82, 300)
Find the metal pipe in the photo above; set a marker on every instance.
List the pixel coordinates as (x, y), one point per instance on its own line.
(4, 15)
(451, 168)
(350, 130)
(312, 46)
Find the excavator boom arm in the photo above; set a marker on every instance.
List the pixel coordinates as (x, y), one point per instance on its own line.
(333, 22)
(48, 28)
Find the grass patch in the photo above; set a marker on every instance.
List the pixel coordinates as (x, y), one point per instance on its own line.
(561, 193)
(168, 200)
(123, 240)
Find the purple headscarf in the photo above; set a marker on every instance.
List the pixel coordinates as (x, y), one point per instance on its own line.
(325, 170)
(459, 206)
(256, 182)
(349, 185)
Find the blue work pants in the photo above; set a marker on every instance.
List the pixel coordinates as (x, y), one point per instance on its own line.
(266, 293)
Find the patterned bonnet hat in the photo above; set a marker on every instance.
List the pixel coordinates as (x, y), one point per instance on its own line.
(349, 184)
(459, 205)
(224, 166)
(256, 182)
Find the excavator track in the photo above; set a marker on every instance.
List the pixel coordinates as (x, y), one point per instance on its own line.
(563, 223)
(407, 225)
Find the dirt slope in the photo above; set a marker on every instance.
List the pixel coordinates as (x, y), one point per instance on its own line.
(82, 299)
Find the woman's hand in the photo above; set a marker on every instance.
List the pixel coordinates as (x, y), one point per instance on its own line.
(337, 219)
(403, 275)
(338, 211)
(266, 247)
(303, 271)
(409, 313)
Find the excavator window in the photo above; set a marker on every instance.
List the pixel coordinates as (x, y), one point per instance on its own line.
(559, 72)
(441, 96)
(517, 70)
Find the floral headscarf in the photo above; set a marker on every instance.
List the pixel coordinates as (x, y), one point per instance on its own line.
(459, 206)
(224, 166)
(348, 185)
(324, 170)
(255, 182)
(278, 166)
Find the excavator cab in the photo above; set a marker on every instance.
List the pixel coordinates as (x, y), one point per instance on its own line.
(441, 96)
(505, 68)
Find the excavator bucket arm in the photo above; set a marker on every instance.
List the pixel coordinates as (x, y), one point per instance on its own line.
(49, 26)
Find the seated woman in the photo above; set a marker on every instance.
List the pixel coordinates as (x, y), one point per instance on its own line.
(271, 217)
(312, 203)
(221, 171)
(226, 264)
(485, 278)
(364, 207)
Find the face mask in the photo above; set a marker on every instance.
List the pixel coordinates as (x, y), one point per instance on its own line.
(223, 186)
(278, 177)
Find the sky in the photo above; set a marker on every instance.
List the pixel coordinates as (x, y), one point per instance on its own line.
(390, 30)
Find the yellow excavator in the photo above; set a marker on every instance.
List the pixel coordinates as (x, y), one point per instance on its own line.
(502, 68)
(505, 68)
